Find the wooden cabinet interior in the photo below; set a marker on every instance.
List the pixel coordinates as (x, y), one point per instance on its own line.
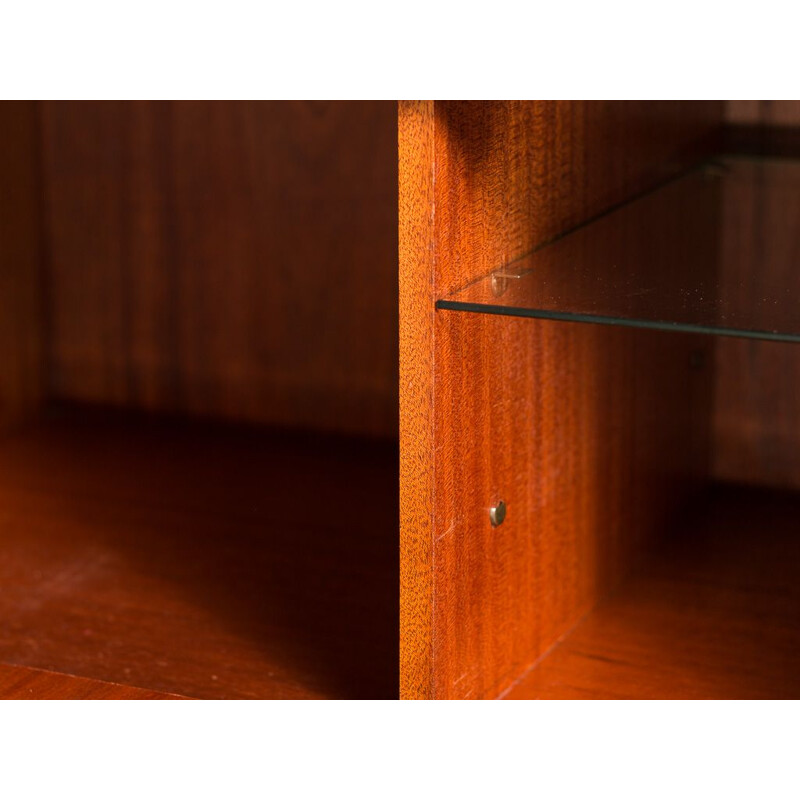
(199, 385)
(199, 401)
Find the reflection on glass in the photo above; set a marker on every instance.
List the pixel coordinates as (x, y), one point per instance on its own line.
(716, 251)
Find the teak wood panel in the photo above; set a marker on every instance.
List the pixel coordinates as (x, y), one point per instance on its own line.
(227, 259)
(590, 435)
(21, 357)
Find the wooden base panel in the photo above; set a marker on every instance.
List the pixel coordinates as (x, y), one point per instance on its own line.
(205, 561)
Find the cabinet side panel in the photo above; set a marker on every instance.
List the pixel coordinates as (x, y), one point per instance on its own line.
(513, 175)
(417, 442)
(591, 435)
(21, 369)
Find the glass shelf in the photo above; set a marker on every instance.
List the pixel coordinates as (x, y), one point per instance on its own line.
(716, 251)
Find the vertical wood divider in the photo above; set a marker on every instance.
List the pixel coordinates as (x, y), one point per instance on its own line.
(417, 297)
(582, 430)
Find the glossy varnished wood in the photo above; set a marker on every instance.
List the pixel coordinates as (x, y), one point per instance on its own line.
(590, 436)
(209, 562)
(24, 683)
(593, 437)
(716, 614)
(21, 354)
(225, 259)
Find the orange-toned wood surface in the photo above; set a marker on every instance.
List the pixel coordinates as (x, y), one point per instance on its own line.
(23, 683)
(590, 435)
(417, 437)
(227, 259)
(593, 437)
(716, 614)
(510, 176)
(757, 384)
(21, 358)
(207, 561)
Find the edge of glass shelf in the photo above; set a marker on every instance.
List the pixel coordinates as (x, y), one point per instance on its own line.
(452, 303)
(621, 322)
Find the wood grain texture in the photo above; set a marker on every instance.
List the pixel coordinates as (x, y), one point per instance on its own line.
(417, 440)
(591, 436)
(757, 384)
(21, 354)
(24, 683)
(716, 615)
(206, 561)
(226, 259)
(513, 175)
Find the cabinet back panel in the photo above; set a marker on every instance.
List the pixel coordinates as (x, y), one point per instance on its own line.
(591, 435)
(224, 258)
(21, 356)
(757, 384)
(763, 112)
